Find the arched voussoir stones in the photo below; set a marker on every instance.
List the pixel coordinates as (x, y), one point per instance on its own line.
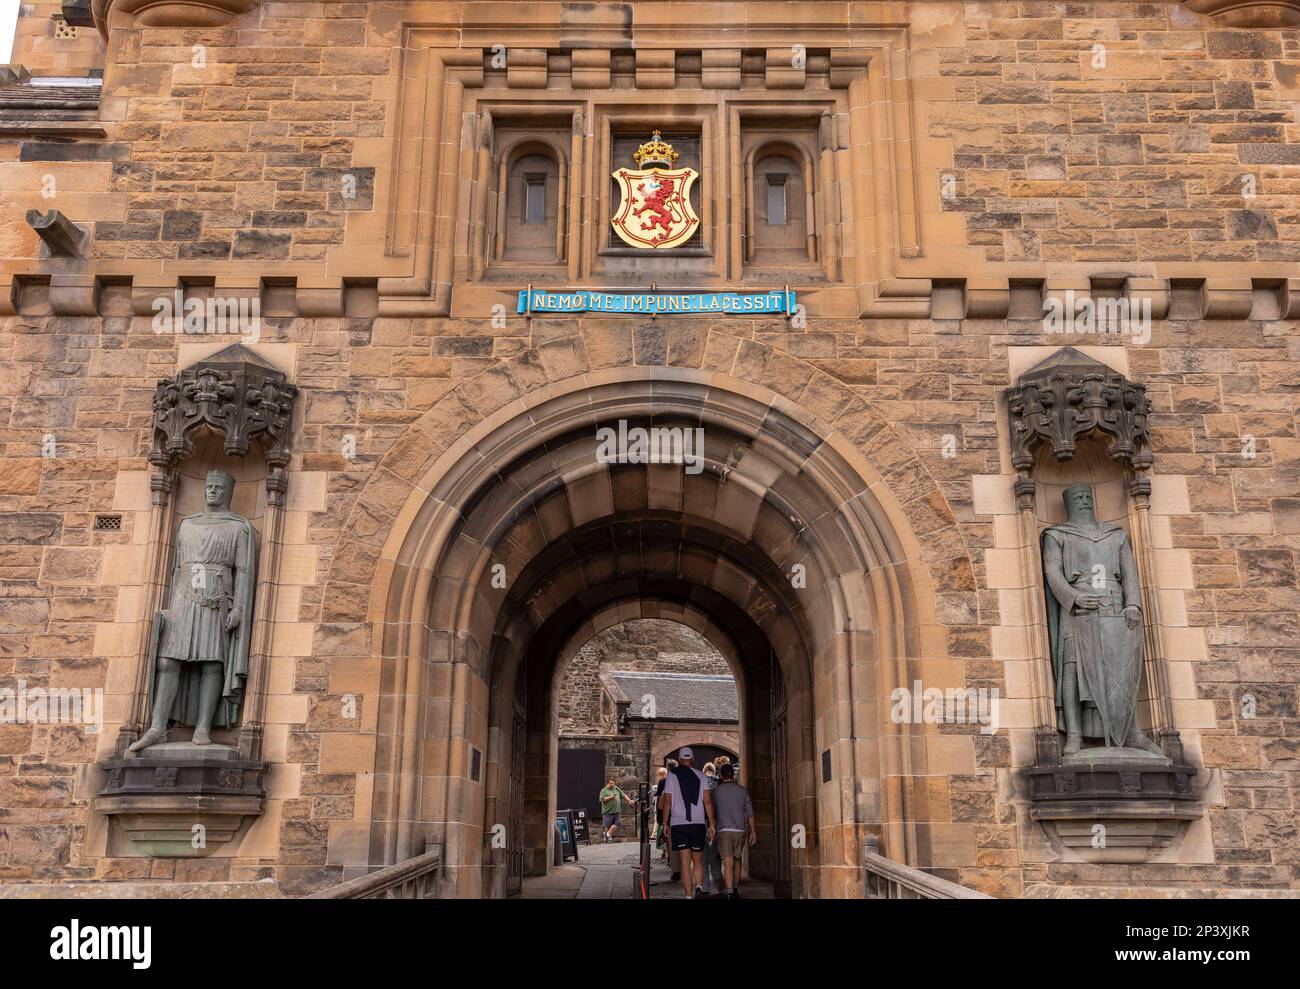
(502, 467)
(445, 444)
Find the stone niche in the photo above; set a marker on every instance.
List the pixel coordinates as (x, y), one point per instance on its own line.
(232, 411)
(1074, 420)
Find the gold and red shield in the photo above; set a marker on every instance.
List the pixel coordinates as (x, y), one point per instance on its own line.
(655, 211)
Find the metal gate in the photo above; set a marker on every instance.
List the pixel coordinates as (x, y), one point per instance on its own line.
(515, 827)
(780, 788)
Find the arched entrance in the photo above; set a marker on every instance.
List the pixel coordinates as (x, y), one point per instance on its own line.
(518, 533)
(741, 642)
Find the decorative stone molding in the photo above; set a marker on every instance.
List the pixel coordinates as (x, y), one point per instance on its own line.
(171, 13)
(61, 113)
(159, 800)
(1065, 398)
(1141, 808)
(235, 393)
(1249, 13)
(448, 98)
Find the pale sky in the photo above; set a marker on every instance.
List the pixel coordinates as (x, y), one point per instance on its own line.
(8, 17)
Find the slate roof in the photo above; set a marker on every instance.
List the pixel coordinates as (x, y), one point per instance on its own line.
(681, 696)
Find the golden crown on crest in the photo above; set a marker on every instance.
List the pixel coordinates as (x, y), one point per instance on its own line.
(656, 151)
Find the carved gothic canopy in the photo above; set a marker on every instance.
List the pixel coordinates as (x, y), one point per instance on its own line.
(235, 393)
(1067, 397)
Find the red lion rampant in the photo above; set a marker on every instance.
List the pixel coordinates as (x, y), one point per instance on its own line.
(657, 204)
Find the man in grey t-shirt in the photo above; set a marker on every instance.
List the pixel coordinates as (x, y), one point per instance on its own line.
(734, 813)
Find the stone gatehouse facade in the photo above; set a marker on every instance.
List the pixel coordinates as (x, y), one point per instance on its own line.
(295, 241)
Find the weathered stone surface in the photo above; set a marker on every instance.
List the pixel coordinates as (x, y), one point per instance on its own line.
(265, 889)
(300, 165)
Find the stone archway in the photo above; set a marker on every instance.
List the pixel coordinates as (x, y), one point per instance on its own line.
(684, 613)
(742, 642)
(509, 483)
(697, 738)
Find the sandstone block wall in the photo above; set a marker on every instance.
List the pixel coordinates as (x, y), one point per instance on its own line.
(1062, 173)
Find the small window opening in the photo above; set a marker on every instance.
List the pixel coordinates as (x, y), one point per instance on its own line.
(535, 198)
(776, 212)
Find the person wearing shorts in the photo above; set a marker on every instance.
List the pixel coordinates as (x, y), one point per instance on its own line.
(611, 809)
(734, 812)
(688, 816)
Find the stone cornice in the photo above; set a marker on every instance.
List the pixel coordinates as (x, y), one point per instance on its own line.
(211, 13)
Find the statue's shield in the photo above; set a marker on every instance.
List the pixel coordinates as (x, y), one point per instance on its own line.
(655, 210)
(1111, 655)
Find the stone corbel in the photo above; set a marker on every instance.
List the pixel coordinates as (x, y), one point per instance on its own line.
(1137, 810)
(170, 13)
(1249, 13)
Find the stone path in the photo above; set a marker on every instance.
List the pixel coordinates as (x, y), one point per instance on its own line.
(607, 872)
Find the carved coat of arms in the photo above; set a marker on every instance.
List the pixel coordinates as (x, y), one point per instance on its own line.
(655, 210)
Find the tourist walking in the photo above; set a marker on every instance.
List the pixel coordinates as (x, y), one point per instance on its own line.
(734, 814)
(688, 816)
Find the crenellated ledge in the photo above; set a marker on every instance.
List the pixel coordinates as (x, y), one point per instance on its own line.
(1249, 13)
(170, 13)
(211, 13)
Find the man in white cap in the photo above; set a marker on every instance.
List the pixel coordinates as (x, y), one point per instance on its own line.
(688, 817)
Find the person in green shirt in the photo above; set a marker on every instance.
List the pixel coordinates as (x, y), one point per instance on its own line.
(611, 809)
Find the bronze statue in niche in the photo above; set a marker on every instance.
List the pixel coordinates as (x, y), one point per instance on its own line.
(1094, 624)
(202, 635)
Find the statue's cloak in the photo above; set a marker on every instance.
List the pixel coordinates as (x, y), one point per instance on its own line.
(1107, 653)
(222, 548)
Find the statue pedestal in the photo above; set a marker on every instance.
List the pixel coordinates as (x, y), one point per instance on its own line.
(1114, 756)
(1113, 805)
(181, 800)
